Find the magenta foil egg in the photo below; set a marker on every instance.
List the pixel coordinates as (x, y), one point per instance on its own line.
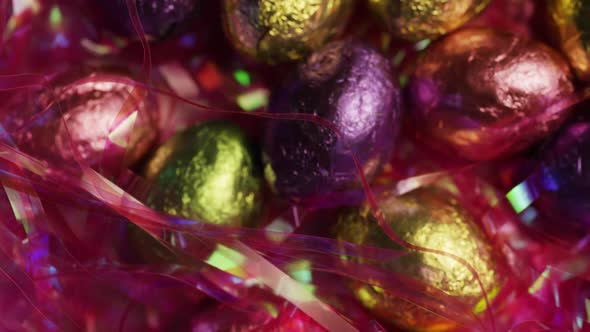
(484, 94)
(100, 120)
(350, 85)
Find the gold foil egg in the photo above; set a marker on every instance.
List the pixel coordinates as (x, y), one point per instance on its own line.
(429, 219)
(283, 30)
(415, 20)
(486, 94)
(209, 173)
(570, 24)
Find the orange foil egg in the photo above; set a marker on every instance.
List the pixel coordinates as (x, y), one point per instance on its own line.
(485, 94)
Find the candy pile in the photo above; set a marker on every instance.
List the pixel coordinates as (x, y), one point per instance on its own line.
(294, 165)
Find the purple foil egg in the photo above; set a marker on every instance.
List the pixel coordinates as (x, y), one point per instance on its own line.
(159, 18)
(561, 185)
(350, 85)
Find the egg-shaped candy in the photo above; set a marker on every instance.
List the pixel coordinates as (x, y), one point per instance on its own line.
(283, 30)
(420, 19)
(99, 120)
(159, 18)
(484, 94)
(350, 85)
(429, 219)
(210, 173)
(569, 22)
(557, 191)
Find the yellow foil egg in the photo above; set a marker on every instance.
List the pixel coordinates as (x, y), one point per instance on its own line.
(428, 219)
(415, 20)
(209, 173)
(283, 30)
(571, 27)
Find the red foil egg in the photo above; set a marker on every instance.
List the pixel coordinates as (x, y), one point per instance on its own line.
(485, 94)
(98, 120)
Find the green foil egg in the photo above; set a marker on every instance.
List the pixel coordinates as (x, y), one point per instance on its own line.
(209, 173)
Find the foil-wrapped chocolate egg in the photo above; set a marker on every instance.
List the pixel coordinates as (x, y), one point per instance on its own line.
(569, 24)
(559, 188)
(420, 19)
(429, 219)
(350, 85)
(283, 30)
(208, 173)
(159, 18)
(486, 94)
(99, 120)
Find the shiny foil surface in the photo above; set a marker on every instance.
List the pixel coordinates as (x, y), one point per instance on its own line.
(350, 85)
(571, 27)
(283, 30)
(415, 20)
(159, 18)
(561, 185)
(84, 117)
(208, 173)
(429, 219)
(486, 94)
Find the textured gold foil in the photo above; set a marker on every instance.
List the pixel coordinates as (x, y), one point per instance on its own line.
(429, 219)
(571, 25)
(208, 173)
(283, 30)
(415, 20)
